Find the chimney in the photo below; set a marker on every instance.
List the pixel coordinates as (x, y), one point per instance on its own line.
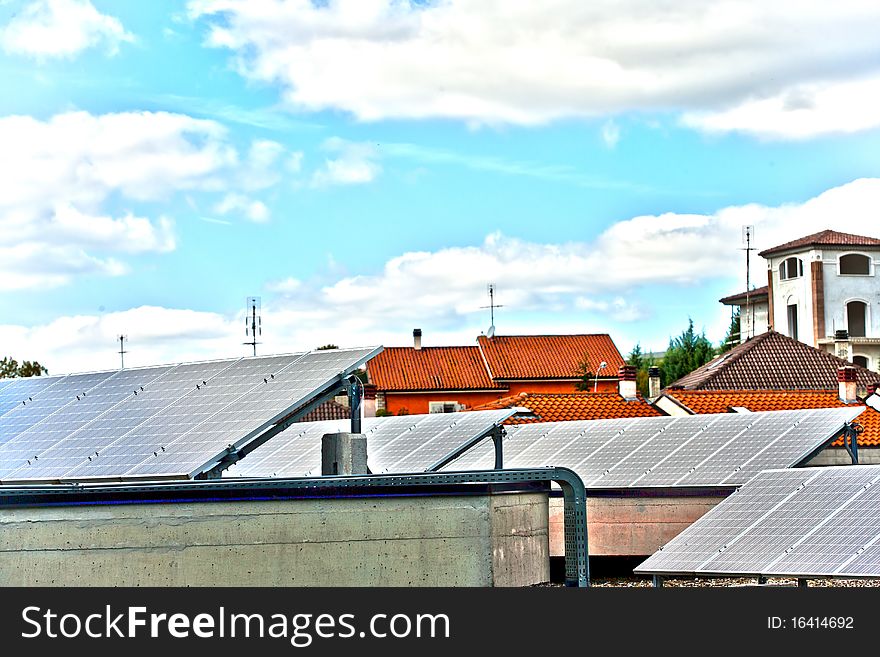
(841, 344)
(417, 339)
(370, 400)
(343, 454)
(653, 383)
(846, 383)
(626, 383)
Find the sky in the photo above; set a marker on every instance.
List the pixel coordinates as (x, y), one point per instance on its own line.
(367, 167)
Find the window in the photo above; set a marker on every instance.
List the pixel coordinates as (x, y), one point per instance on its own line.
(861, 361)
(855, 264)
(791, 268)
(443, 407)
(856, 312)
(792, 322)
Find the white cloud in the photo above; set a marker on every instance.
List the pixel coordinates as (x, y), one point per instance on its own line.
(354, 163)
(61, 28)
(261, 168)
(522, 62)
(255, 211)
(600, 285)
(800, 112)
(57, 176)
(610, 133)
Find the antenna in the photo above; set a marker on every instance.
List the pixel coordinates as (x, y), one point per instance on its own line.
(748, 234)
(253, 323)
(122, 351)
(492, 306)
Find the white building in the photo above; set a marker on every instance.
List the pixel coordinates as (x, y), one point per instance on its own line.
(823, 290)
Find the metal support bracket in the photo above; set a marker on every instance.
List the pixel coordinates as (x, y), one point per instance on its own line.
(355, 395)
(851, 440)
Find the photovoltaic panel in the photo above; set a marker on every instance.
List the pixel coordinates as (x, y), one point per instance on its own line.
(19, 391)
(84, 435)
(171, 421)
(410, 443)
(43, 405)
(811, 522)
(699, 450)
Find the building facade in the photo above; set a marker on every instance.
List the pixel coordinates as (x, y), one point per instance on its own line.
(822, 290)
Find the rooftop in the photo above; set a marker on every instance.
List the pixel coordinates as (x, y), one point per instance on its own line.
(772, 361)
(824, 238)
(430, 368)
(555, 407)
(738, 299)
(549, 356)
(721, 401)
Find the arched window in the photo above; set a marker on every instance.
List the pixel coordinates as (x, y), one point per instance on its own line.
(791, 268)
(856, 318)
(861, 361)
(855, 264)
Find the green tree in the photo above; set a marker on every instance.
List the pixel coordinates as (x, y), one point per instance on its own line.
(586, 378)
(732, 338)
(10, 369)
(686, 353)
(641, 361)
(327, 346)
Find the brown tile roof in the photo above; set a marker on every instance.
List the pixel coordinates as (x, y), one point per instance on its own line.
(772, 361)
(735, 299)
(430, 368)
(553, 407)
(720, 401)
(823, 238)
(329, 410)
(549, 356)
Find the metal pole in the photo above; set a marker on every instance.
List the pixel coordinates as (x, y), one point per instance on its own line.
(354, 403)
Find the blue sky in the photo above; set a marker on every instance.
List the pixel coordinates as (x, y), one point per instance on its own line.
(368, 167)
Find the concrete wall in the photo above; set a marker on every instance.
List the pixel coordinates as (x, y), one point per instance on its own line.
(754, 319)
(499, 540)
(839, 456)
(630, 526)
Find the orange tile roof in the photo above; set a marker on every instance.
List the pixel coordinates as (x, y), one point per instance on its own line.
(824, 238)
(554, 407)
(430, 368)
(720, 401)
(753, 295)
(513, 357)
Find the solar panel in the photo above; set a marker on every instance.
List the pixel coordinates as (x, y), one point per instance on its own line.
(410, 443)
(172, 421)
(812, 522)
(19, 392)
(701, 450)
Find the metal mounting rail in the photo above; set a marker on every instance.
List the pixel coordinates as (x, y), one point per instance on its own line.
(574, 493)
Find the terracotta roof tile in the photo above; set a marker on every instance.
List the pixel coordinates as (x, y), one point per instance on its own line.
(430, 368)
(824, 238)
(329, 410)
(735, 299)
(549, 356)
(554, 407)
(772, 361)
(720, 401)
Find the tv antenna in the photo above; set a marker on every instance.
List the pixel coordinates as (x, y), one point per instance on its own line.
(748, 234)
(253, 323)
(122, 351)
(492, 306)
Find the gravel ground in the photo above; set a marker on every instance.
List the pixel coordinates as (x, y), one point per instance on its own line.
(626, 582)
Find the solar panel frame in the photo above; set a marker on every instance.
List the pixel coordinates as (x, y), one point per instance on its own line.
(615, 454)
(122, 419)
(393, 443)
(805, 523)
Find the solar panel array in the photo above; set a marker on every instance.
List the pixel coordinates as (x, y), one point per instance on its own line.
(172, 420)
(409, 443)
(813, 522)
(724, 449)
